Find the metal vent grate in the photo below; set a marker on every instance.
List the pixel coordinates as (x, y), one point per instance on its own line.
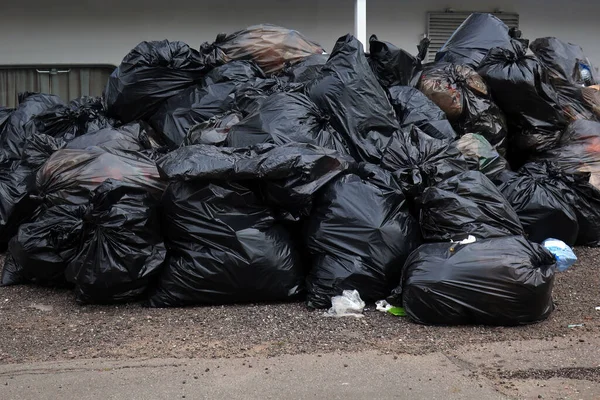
(441, 25)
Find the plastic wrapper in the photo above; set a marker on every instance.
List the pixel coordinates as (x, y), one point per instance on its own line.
(541, 196)
(214, 131)
(13, 134)
(418, 160)
(413, 107)
(269, 46)
(359, 235)
(121, 251)
(502, 281)
(565, 257)
(285, 118)
(394, 66)
(463, 95)
(463, 205)
(472, 40)
(151, 73)
(70, 176)
(358, 106)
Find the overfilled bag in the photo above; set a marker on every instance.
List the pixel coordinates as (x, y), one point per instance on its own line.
(70, 176)
(394, 66)
(463, 95)
(463, 205)
(135, 136)
(418, 160)
(359, 235)
(472, 40)
(521, 88)
(121, 251)
(151, 73)
(541, 196)
(285, 118)
(413, 107)
(350, 94)
(269, 46)
(502, 281)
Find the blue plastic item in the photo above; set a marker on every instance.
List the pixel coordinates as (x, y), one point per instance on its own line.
(565, 257)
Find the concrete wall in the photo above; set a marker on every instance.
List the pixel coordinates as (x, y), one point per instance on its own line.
(92, 31)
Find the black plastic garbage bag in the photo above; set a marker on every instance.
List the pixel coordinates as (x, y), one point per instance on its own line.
(5, 113)
(285, 118)
(42, 249)
(151, 73)
(571, 73)
(288, 175)
(358, 235)
(134, 136)
(541, 196)
(269, 46)
(234, 71)
(80, 116)
(471, 41)
(13, 134)
(70, 176)
(413, 107)
(192, 106)
(578, 150)
(12, 274)
(394, 66)
(521, 89)
(122, 251)
(250, 95)
(485, 158)
(306, 70)
(214, 131)
(38, 149)
(502, 281)
(359, 108)
(418, 160)
(465, 98)
(463, 205)
(586, 204)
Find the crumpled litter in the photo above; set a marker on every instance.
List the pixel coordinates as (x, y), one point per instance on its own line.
(349, 304)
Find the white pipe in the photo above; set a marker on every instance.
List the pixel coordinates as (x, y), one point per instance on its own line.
(360, 22)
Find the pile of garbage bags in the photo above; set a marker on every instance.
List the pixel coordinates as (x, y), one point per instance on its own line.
(260, 168)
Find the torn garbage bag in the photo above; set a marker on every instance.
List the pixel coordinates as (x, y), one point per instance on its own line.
(418, 160)
(472, 40)
(359, 234)
(541, 196)
(358, 106)
(413, 107)
(285, 118)
(70, 176)
(463, 205)
(502, 281)
(463, 95)
(522, 90)
(121, 250)
(151, 73)
(269, 46)
(394, 66)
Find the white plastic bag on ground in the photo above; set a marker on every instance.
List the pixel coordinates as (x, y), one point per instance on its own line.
(349, 304)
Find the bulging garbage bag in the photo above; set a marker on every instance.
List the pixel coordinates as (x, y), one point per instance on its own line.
(250, 95)
(463, 205)
(471, 41)
(269, 46)
(487, 160)
(70, 176)
(501, 281)
(285, 118)
(418, 160)
(359, 235)
(413, 107)
(522, 90)
(289, 175)
(234, 71)
(121, 251)
(134, 136)
(349, 92)
(214, 131)
(11, 273)
(465, 98)
(13, 134)
(306, 70)
(151, 73)
(586, 204)
(394, 66)
(541, 196)
(42, 249)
